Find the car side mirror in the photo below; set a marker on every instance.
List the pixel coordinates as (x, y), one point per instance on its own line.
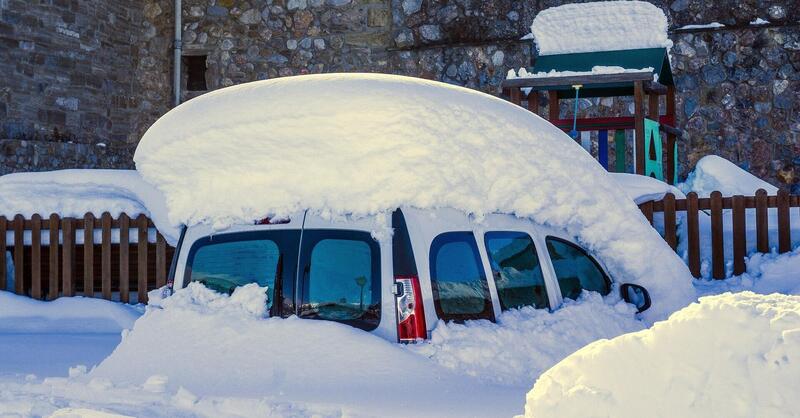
(636, 295)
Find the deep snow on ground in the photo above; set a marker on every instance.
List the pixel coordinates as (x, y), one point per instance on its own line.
(365, 143)
(731, 355)
(75, 192)
(766, 273)
(600, 26)
(47, 338)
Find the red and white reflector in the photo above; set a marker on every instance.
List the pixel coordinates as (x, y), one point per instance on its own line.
(410, 312)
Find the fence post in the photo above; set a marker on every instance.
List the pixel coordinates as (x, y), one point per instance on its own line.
(161, 261)
(105, 256)
(52, 279)
(19, 256)
(693, 234)
(3, 266)
(124, 260)
(739, 234)
(784, 229)
(762, 222)
(717, 244)
(36, 256)
(68, 257)
(88, 255)
(647, 210)
(141, 270)
(670, 223)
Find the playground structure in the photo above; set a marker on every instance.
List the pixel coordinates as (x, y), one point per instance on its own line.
(644, 74)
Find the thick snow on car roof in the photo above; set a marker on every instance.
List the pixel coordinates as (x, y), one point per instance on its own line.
(361, 144)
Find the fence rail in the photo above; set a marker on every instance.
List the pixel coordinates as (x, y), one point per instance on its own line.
(129, 253)
(715, 204)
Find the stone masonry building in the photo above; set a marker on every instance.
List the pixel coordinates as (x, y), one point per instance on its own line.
(82, 80)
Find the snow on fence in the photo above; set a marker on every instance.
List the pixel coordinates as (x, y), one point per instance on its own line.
(129, 253)
(737, 208)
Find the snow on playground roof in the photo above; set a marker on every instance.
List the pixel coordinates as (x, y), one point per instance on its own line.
(600, 26)
(363, 144)
(75, 192)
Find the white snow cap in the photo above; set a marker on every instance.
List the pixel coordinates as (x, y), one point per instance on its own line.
(732, 355)
(600, 26)
(360, 144)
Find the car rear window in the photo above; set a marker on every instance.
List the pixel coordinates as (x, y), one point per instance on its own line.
(224, 262)
(516, 269)
(575, 269)
(341, 278)
(460, 290)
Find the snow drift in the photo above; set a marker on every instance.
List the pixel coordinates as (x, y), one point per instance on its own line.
(363, 143)
(732, 355)
(75, 192)
(600, 26)
(714, 173)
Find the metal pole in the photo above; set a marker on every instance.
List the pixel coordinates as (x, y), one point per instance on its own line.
(177, 51)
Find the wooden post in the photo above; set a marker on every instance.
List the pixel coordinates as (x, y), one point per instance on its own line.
(124, 258)
(670, 222)
(3, 266)
(516, 96)
(693, 234)
(784, 229)
(105, 255)
(670, 152)
(19, 257)
(88, 255)
(638, 100)
(161, 261)
(68, 257)
(647, 210)
(739, 235)
(552, 107)
(52, 279)
(762, 222)
(141, 268)
(533, 101)
(717, 244)
(36, 256)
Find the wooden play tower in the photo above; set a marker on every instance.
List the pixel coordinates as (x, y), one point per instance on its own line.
(647, 77)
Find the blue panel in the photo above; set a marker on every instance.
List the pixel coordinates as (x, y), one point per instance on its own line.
(602, 148)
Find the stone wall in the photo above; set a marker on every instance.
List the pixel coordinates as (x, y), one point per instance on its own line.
(84, 72)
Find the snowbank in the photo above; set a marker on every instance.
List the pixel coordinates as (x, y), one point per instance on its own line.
(76, 192)
(766, 273)
(19, 314)
(236, 352)
(526, 342)
(364, 143)
(600, 26)
(713, 172)
(732, 355)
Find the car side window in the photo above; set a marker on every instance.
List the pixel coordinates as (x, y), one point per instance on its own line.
(341, 278)
(516, 269)
(575, 269)
(268, 258)
(460, 290)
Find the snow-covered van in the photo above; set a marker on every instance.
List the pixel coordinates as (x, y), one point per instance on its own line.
(396, 275)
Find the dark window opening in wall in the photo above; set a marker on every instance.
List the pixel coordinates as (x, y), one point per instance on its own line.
(195, 72)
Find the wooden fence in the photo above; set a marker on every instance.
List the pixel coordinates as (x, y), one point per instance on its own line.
(126, 259)
(715, 204)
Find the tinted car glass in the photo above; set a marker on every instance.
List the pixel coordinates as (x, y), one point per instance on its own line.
(267, 258)
(575, 269)
(341, 278)
(460, 291)
(516, 269)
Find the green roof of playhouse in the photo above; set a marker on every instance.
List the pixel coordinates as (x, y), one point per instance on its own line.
(621, 85)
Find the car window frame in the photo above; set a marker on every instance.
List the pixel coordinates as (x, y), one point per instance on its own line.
(310, 239)
(536, 252)
(606, 277)
(285, 239)
(488, 310)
